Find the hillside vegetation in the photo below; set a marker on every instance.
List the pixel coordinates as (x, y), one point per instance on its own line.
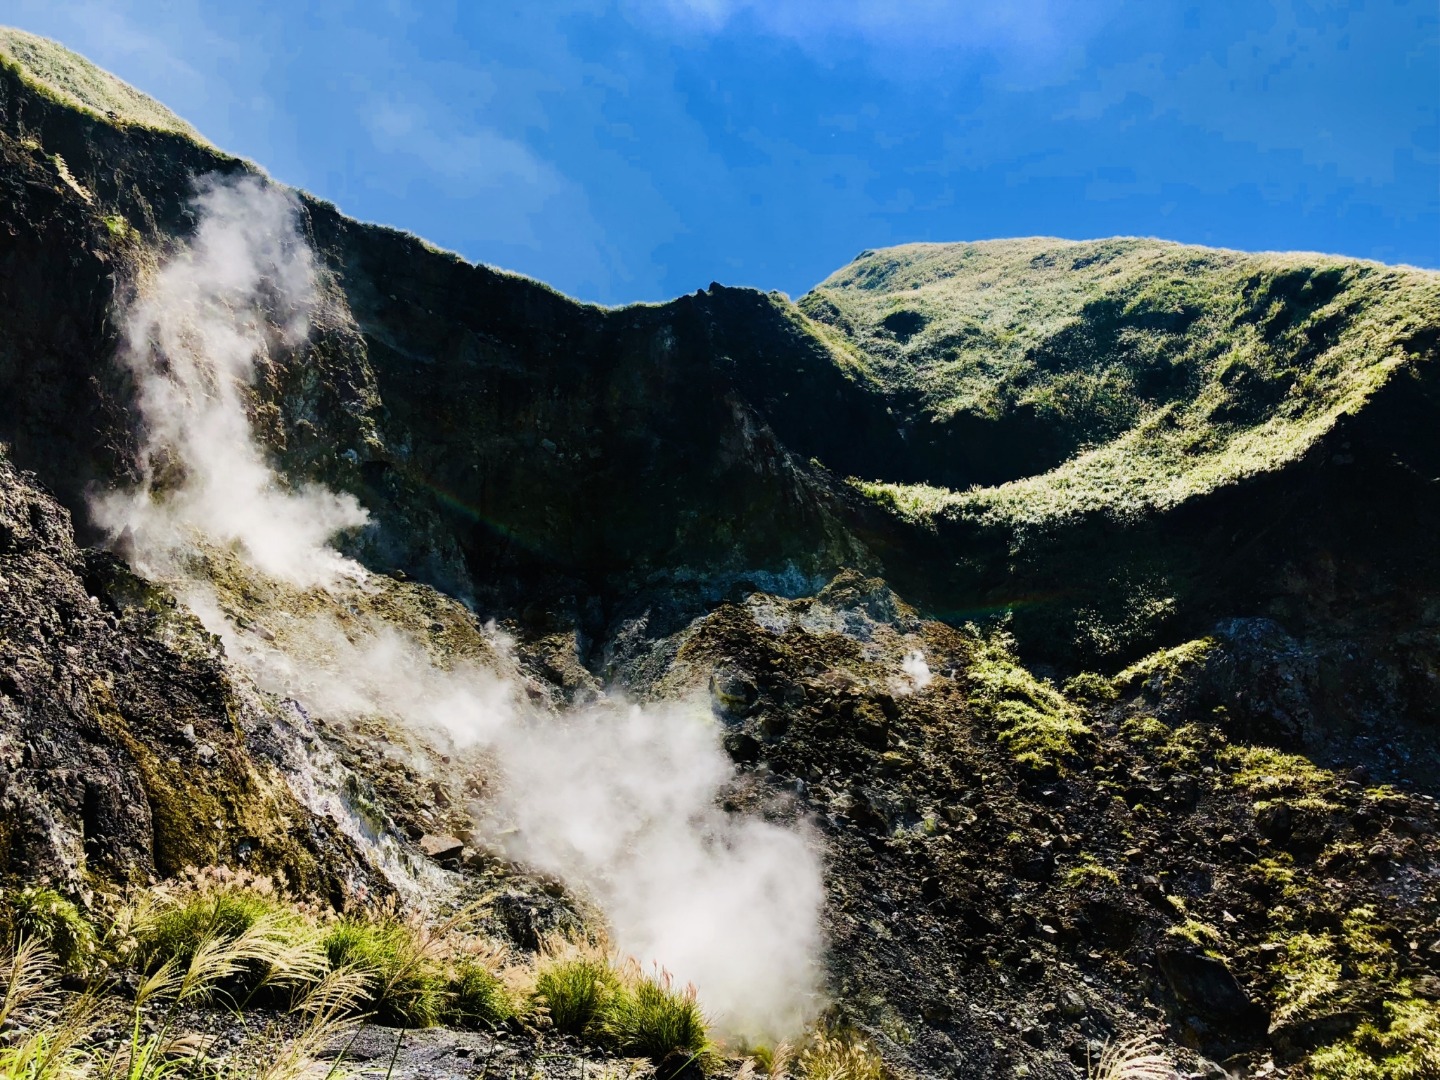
(69, 79)
(1114, 376)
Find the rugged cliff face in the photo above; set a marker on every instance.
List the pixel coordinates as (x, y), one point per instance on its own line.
(1194, 491)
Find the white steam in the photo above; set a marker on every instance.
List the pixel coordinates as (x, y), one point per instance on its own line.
(916, 669)
(192, 339)
(616, 799)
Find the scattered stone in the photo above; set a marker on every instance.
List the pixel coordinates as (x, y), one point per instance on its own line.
(442, 848)
(1206, 984)
(733, 692)
(743, 748)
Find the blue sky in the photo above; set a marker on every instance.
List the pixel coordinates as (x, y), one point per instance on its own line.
(636, 149)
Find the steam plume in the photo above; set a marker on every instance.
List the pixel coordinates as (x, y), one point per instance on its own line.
(245, 282)
(616, 799)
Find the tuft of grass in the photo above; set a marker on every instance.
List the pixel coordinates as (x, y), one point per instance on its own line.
(176, 928)
(587, 992)
(1091, 688)
(1166, 670)
(1264, 771)
(215, 909)
(1088, 870)
(773, 1062)
(648, 1017)
(42, 915)
(117, 226)
(574, 990)
(1199, 934)
(1034, 721)
(1137, 1058)
(406, 981)
(1307, 973)
(66, 1036)
(478, 996)
(48, 1042)
(840, 1055)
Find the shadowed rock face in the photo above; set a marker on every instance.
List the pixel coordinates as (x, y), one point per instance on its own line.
(509, 441)
(127, 750)
(1207, 477)
(1169, 435)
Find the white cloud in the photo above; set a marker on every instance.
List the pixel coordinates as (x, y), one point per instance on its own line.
(1261, 89)
(467, 160)
(919, 26)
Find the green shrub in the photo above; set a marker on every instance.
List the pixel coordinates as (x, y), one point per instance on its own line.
(477, 996)
(648, 1017)
(273, 946)
(407, 984)
(179, 924)
(575, 990)
(44, 916)
(1091, 689)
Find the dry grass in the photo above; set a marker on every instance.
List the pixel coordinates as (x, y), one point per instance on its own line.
(54, 1036)
(48, 1034)
(69, 79)
(838, 1055)
(1137, 1058)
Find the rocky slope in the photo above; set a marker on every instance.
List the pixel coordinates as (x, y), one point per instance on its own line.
(1159, 520)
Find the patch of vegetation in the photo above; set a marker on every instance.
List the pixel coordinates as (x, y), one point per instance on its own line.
(840, 1055)
(1091, 688)
(69, 79)
(42, 916)
(1199, 934)
(117, 226)
(478, 997)
(588, 992)
(1033, 720)
(574, 990)
(1277, 873)
(1325, 970)
(67, 1036)
(1404, 1044)
(649, 1017)
(1308, 973)
(174, 922)
(1088, 870)
(1137, 1058)
(1154, 371)
(405, 982)
(1263, 770)
(1179, 748)
(1164, 671)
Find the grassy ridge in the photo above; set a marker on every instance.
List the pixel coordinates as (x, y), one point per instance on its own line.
(1128, 374)
(68, 78)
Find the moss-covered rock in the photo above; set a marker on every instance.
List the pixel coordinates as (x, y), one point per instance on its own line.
(125, 742)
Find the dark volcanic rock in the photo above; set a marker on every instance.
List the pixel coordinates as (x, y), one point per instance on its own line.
(1205, 985)
(125, 746)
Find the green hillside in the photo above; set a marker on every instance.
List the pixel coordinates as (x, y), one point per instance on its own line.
(69, 79)
(1118, 376)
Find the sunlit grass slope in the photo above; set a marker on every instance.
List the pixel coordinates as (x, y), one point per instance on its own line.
(1146, 372)
(70, 79)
